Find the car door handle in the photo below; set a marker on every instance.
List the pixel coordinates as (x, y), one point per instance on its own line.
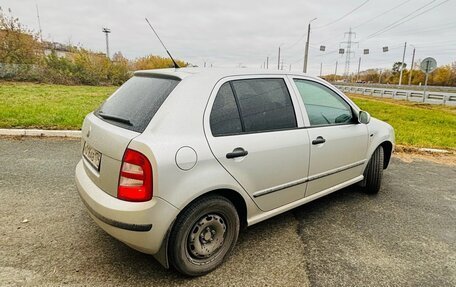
(318, 140)
(237, 152)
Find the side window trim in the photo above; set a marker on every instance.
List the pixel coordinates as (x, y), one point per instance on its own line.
(303, 107)
(295, 99)
(227, 85)
(236, 99)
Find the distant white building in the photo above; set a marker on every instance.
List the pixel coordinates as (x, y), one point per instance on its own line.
(61, 50)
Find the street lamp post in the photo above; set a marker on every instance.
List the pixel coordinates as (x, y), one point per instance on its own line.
(107, 31)
(306, 54)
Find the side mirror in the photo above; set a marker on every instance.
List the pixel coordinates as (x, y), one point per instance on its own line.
(364, 117)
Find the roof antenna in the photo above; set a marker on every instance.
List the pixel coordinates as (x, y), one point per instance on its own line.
(176, 66)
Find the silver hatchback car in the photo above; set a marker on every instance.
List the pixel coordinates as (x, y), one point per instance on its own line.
(177, 161)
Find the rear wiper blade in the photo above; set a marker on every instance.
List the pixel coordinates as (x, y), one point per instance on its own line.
(114, 118)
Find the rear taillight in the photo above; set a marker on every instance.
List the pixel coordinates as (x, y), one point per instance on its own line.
(135, 181)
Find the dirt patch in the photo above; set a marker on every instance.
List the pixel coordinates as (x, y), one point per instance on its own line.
(410, 154)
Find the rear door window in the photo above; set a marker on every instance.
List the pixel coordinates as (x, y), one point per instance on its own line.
(136, 102)
(264, 104)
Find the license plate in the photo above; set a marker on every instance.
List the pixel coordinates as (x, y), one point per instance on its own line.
(92, 156)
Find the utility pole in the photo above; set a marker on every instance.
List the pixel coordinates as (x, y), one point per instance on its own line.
(426, 82)
(348, 51)
(107, 31)
(321, 68)
(359, 67)
(267, 62)
(402, 64)
(335, 73)
(411, 67)
(39, 22)
(278, 60)
(306, 53)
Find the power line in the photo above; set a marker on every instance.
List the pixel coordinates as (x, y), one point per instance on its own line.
(344, 16)
(384, 13)
(398, 21)
(404, 19)
(447, 26)
(432, 8)
(371, 19)
(330, 38)
(435, 44)
(328, 53)
(295, 43)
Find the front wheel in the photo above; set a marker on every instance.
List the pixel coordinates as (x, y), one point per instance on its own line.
(374, 172)
(204, 235)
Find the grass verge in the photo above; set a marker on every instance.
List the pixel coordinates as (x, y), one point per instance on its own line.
(416, 124)
(26, 105)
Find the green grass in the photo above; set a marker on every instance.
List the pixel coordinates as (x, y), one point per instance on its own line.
(419, 125)
(26, 105)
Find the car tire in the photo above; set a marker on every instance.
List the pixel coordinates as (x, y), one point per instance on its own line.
(203, 235)
(374, 172)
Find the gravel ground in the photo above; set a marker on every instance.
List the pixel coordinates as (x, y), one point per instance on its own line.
(404, 236)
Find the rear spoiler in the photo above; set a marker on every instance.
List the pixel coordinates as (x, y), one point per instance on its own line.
(156, 75)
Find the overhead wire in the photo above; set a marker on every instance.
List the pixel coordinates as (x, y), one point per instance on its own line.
(343, 16)
(382, 14)
(447, 26)
(326, 25)
(414, 14)
(405, 19)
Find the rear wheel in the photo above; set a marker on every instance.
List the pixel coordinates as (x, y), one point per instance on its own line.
(204, 235)
(374, 172)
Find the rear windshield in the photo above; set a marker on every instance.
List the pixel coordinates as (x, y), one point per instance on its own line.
(135, 103)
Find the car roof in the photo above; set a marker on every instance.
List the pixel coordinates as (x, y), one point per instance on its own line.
(182, 73)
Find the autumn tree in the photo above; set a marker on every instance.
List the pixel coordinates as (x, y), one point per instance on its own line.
(19, 45)
(155, 62)
(397, 67)
(119, 71)
(444, 76)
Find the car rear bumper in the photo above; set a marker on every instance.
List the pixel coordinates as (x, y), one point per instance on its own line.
(141, 225)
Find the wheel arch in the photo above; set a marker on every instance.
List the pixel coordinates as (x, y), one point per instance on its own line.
(236, 199)
(162, 256)
(387, 151)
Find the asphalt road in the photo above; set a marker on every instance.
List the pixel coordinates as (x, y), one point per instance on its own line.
(404, 236)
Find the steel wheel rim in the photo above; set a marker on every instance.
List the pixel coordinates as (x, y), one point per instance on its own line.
(207, 236)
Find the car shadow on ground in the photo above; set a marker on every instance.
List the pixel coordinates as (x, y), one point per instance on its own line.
(271, 246)
(347, 196)
(258, 255)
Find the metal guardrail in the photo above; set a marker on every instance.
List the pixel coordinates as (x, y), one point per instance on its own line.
(443, 89)
(438, 98)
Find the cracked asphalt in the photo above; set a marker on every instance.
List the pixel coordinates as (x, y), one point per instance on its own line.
(404, 236)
